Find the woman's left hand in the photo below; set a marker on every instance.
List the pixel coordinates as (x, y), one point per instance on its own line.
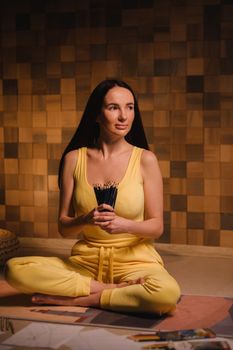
(109, 221)
(117, 225)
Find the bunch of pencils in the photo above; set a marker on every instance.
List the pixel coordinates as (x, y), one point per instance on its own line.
(106, 193)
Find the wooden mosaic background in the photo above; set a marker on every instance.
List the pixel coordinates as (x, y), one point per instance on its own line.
(177, 55)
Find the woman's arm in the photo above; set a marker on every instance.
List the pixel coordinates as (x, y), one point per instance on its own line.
(68, 224)
(152, 226)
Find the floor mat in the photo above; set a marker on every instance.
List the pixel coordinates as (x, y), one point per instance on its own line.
(192, 311)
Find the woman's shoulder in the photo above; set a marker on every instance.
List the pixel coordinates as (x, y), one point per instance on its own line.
(71, 158)
(148, 160)
(71, 155)
(148, 157)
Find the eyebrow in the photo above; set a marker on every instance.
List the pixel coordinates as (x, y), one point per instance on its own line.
(117, 104)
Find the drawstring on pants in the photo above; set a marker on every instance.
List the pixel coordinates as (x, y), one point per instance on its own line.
(111, 259)
(101, 262)
(110, 254)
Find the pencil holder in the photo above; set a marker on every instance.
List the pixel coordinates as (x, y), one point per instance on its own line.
(106, 193)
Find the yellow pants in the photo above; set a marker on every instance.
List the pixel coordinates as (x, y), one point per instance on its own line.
(50, 275)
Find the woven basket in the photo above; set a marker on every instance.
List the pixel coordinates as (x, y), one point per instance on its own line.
(9, 245)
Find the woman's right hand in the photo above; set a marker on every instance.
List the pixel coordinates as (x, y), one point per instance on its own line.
(102, 213)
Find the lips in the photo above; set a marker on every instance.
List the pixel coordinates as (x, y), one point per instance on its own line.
(121, 126)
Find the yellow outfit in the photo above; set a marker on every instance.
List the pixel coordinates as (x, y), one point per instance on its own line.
(103, 256)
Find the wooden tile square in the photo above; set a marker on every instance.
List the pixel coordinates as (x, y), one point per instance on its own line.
(25, 150)
(212, 119)
(41, 230)
(39, 103)
(226, 239)
(39, 135)
(226, 203)
(212, 221)
(40, 183)
(11, 182)
(195, 237)
(26, 198)
(195, 152)
(26, 182)
(67, 86)
(194, 51)
(212, 204)
(179, 220)
(54, 119)
(53, 198)
(41, 198)
(226, 187)
(196, 204)
(178, 236)
(178, 152)
(226, 170)
(27, 213)
(161, 119)
(39, 150)
(53, 103)
(195, 66)
(226, 153)
(178, 202)
(212, 153)
(12, 197)
(194, 135)
(195, 220)
(11, 166)
(68, 102)
(226, 221)
(195, 118)
(67, 53)
(178, 169)
(195, 169)
(195, 186)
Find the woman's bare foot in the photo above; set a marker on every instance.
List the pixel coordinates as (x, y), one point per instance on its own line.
(90, 300)
(93, 299)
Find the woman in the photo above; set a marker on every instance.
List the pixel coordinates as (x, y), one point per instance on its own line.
(115, 265)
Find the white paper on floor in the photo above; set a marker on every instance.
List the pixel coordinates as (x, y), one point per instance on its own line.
(89, 339)
(38, 334)
(55, 336)
(75, 337)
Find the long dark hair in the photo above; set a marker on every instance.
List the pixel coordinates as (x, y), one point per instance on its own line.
(87, 133)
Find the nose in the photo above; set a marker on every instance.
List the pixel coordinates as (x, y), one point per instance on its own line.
(122, 115)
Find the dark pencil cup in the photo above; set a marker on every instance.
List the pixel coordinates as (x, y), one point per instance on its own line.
(106, 194)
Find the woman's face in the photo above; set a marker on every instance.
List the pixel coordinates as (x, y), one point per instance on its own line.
(117, 113)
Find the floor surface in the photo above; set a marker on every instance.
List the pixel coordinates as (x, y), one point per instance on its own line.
(210, 274)
(202, 275)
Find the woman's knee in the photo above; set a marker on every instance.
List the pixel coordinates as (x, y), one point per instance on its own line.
(163, 299)
(9, 270)
(15, 273)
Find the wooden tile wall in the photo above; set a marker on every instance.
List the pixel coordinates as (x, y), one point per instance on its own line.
(178, 57)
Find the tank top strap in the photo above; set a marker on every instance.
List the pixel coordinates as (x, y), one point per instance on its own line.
(80, 169)
(133, 170)
(135, 161)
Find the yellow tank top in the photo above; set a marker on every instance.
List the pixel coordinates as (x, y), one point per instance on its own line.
(129, 203)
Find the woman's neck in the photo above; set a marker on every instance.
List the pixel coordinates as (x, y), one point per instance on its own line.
(111, 149)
